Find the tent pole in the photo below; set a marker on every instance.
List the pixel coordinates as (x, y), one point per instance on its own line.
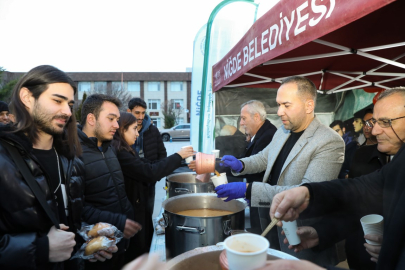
(205, 66)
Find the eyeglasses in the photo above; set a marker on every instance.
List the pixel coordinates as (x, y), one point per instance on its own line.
(384, 123)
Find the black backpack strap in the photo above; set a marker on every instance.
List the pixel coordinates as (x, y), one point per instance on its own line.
(32, 183)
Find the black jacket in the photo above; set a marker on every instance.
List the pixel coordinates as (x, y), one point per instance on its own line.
(262, 138)
(105, 197)
(23, 222)
(367, 159)
(138, 173)
(365, 194)
(152, 143)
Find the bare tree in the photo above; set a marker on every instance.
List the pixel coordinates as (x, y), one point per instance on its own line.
(171, 113)
(116, 91)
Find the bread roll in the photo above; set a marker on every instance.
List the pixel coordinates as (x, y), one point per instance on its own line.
(227, 130)
(98, 243)
(101, 229)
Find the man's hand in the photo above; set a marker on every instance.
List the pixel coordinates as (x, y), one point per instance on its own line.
(131, 228)
(289, 204)
(103, 255)
(186, 152)
(309, 238)
(374, 250)
(232, 162)
(234, 190)
(192, 165)
(61, 243)
(145, 262)
(290, 265)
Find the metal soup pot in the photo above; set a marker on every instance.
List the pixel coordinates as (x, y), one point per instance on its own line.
(184, 233)
(185, 183)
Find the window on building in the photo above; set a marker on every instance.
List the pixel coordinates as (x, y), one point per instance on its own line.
(156, 122)
(154, 104)
(117, 86)
(180, 121)
(100, 87)
(153, 86)
(177, 103)
(176, 86)
(83, 87)
(134, 86)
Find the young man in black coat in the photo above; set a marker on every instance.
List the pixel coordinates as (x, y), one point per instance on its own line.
(46, 139)
(149, 145)
(4, 113)
(105, 193)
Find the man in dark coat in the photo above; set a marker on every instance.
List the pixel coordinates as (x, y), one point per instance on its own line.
(46, 139)
(104, 184)
(4, 113)
(350, 146)
(367, 159)
(367, 194)
(261, 132)
(148, 145)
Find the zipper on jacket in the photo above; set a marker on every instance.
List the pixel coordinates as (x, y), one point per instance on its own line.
(115, 183)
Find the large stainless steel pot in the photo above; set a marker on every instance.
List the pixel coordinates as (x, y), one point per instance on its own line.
(185, 183)
(184, 233)
(208, 258)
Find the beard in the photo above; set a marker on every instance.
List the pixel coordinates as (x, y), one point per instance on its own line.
(294, 124)
(98, 133)
(43, 121)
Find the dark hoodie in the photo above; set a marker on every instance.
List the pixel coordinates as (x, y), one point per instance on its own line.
(149, 144)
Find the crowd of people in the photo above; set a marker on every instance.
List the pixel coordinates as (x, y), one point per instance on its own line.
(58, 175)
(299, 164)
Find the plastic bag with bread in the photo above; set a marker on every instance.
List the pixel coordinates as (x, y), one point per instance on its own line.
(99, 236)
(97, 244)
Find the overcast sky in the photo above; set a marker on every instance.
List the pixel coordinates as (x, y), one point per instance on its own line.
(94, 35)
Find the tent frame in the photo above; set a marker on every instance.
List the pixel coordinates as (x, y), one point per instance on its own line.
(343, 51)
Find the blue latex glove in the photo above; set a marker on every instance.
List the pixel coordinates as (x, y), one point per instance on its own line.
(232, 162)
(234, 190)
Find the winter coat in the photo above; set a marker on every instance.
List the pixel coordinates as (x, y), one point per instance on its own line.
(363, 195)
(105, 196)
(150, 142)
(262, 138)
(138, 173)
(23, 222)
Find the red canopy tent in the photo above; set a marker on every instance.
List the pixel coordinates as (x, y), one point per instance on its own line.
(339, 45)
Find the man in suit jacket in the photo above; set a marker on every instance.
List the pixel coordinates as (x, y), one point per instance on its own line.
(302, 151)
(261, 132)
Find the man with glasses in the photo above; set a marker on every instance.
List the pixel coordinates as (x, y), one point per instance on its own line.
(382, 190)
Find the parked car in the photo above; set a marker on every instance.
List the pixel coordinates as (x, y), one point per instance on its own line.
(177, 132)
